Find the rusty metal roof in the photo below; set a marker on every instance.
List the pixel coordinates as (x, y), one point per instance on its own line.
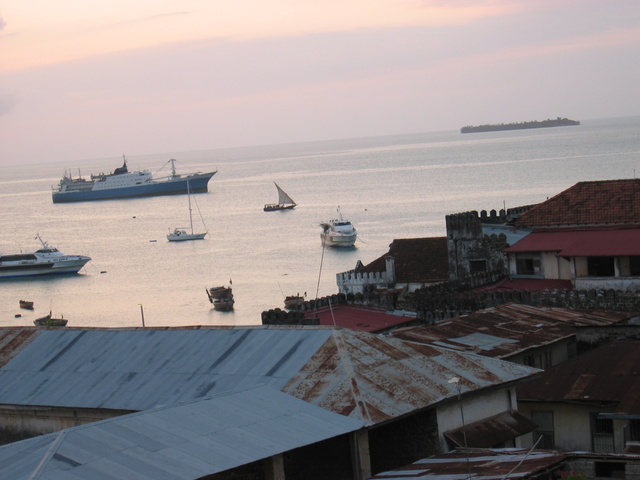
(491, 432)
(186, 441)
(495, 464)
(605, 376)
(357, 374)
(507, 330)
(376, 378)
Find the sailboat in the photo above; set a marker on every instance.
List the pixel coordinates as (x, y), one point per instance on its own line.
(285, 202)
(180, 234)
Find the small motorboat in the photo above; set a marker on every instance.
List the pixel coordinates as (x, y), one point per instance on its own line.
(26, 304)
(49, 321)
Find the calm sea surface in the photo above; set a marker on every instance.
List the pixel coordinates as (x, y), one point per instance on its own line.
(389, 187)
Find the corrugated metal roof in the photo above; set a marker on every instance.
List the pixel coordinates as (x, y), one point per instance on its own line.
(358, 374)
(608, 375)
(185, 441)
(491, 432)
(584, 243)
(377, 378)
(137, 369)
(506, 330)
(478, 465)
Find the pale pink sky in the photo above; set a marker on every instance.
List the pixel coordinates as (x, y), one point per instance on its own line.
(81, 80)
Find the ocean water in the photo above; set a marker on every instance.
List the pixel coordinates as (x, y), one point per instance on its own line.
(397, 186)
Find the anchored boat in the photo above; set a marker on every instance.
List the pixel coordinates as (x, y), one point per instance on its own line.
(44, 261)
(122, 183)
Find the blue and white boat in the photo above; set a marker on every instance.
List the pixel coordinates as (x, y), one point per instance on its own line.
(124, 184)
(44, 261)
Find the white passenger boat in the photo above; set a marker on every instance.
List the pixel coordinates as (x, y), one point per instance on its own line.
(338, 232)
(44, 261)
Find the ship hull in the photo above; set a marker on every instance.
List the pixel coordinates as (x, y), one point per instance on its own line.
(196, 184)
(38, 269)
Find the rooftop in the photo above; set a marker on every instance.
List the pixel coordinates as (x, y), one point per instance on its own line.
(356, 374)
(507, 330)
(608, 375)
(416, 260)
(608, 202)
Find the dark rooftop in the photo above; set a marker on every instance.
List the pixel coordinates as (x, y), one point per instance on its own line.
(416, 260)
(608, 375)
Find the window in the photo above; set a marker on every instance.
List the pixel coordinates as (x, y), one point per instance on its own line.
(634, 266)
(600, 267)
(477, 266)
(602, 434)
(544, 430)
(528, 264)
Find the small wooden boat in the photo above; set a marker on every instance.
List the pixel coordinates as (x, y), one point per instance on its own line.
(26, 304)
(285, 202)
(49, 321)
(223, 304)
(293, 302)
(221, 297)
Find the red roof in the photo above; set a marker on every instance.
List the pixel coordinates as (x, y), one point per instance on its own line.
(586, 243)
(530, 284)
(610, 202)
(363, 319)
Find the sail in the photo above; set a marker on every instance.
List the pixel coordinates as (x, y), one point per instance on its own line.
(283, 198)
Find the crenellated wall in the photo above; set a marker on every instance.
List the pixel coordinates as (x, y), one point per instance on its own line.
(466, 244)
(352, 282)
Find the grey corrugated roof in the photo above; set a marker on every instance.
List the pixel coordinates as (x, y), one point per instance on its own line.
(357, 374)
(142, 368)
(186, 441)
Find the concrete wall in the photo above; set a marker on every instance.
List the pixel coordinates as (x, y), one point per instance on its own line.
(572, 426)
(18, 423)
(475, 407)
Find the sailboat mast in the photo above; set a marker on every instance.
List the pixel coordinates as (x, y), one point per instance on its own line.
(190, 215)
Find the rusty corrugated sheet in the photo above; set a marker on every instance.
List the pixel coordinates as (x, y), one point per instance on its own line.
(606, 376)
(376, 378)
(491, 432)
(508, 329)
(13, 340)
(479, 465)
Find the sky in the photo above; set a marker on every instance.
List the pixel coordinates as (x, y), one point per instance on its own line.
(83, 80)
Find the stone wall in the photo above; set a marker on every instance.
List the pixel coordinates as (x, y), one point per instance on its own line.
(466, 244)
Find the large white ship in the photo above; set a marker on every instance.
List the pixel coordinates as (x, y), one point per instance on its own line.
(123, 184)
(44, 261)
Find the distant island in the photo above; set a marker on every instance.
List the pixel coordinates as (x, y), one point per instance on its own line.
(558, 122)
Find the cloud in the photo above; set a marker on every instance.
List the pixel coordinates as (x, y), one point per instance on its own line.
(2, 23)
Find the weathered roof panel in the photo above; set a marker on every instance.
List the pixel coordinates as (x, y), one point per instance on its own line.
(377, 378)
(140, 368)
(185, 441)
(359, 374)
(508, 329)
(608, 375)
(494, 464)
